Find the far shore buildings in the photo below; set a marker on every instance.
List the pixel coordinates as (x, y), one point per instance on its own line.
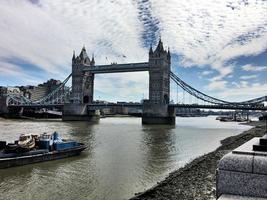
(32, 92)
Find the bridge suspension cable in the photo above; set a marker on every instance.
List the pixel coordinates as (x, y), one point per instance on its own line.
(209, 99)
(50, 95)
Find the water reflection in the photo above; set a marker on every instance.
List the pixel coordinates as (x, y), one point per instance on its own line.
(158, 144)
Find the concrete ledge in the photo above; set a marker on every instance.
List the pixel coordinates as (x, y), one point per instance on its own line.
(236, 162)
(237, 197)
(239, 183)
(243, 172)
(247, 148)
(260, 165)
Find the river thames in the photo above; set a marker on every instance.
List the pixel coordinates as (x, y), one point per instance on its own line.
(123, 156)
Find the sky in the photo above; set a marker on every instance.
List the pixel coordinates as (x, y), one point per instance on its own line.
(217, 46)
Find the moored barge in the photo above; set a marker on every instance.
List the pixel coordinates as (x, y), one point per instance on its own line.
(46, 147)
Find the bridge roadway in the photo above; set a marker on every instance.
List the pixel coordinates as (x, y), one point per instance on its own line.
(116, 68)
(139, 105)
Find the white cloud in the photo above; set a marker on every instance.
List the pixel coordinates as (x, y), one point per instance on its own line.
(253, 68)
(14, 71)
(124, 87)
(207, 33)
(244, 91)
(217, 85)
(210, 32)
(205, 73)
(45, 35)
(246, 77)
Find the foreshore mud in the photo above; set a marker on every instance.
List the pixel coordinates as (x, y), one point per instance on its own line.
(197, 179)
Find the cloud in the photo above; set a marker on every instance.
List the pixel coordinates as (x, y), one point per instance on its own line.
(217, 85)
(207, 34)
(205, 73)
(124, 87)
(253, 68)
(46, 34)
(212, 33)
(12, 71)
(246, 77)
(244, 91)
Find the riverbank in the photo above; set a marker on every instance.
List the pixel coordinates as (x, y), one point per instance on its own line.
(197, 181)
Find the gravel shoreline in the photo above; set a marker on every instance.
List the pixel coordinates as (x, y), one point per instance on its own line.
(196, 181)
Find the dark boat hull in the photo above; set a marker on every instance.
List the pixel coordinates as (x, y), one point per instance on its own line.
(42, 157)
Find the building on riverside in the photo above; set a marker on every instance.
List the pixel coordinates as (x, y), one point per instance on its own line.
(37, 92)
(32, 92)
(9, 90)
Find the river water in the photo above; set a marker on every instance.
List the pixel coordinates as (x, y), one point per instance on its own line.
(123, 156)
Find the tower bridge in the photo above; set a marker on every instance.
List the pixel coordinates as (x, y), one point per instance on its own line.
(78, 102)
(155, 110)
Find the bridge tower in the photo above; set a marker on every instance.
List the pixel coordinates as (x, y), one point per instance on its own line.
(156, 110)
(82, 82)
(159, 75)
(82, 89)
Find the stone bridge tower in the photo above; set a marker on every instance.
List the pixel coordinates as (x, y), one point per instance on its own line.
(82, 82)
(82, 90)
(156, 110)
(159, 75)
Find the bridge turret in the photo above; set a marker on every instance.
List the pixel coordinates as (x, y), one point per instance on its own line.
(84, 58)
(150, 51)
(73, 57)
(159, 75)
(157, 110)
(82, 82)
(169, 55)
(92, 61)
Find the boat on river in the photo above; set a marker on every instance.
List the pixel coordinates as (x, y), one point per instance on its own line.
(33, 148)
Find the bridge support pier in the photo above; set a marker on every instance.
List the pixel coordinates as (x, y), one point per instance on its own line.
(158, 114)
(79, 112)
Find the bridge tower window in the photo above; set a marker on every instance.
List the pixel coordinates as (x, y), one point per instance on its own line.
(166, 99)
(86, 99)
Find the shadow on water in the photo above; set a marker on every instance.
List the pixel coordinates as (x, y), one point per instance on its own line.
(158, 145)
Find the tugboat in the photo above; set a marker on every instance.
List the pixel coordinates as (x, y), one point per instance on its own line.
(33, 148)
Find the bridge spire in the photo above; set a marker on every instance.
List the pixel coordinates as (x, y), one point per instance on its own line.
(93, 60)
(73, 57)
(169, 54)
(159, 48)
(150, 50)
(84, 57)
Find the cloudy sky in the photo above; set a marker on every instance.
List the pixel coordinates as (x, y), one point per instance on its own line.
(218, 46)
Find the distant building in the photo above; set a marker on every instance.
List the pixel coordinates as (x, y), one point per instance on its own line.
(37, 92)
(33, 92)
(9, 90)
